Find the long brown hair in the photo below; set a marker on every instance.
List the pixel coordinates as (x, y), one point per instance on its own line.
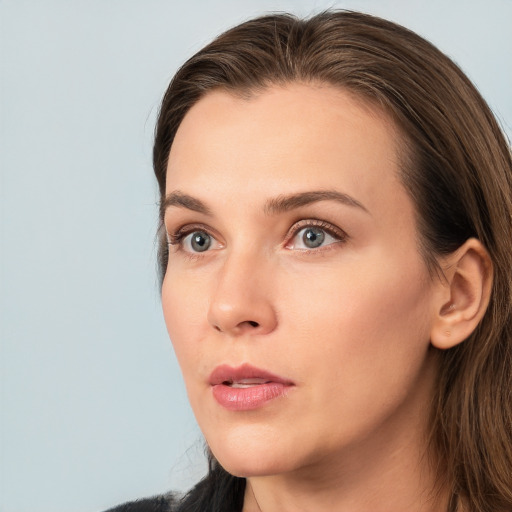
(456, 166)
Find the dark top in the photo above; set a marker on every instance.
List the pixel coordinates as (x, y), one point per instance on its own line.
(166, 503)
(217, 492)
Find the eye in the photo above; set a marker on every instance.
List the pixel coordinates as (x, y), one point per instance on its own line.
(314, 236)
(193, 240)
(198, 241)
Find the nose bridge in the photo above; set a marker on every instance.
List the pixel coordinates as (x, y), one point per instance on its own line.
(241, 301)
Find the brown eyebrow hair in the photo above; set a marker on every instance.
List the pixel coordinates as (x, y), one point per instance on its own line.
(178, 198)
(285, 203)
(273, 206)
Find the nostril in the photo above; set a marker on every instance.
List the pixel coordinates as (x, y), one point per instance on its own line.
(251, 323)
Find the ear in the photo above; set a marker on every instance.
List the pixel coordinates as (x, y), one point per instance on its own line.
(463, 295)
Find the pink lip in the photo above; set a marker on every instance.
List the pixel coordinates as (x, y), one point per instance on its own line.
(246, 398)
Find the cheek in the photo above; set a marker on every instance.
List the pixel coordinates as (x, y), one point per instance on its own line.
(184, 306)
(360, 348)
(362, 328)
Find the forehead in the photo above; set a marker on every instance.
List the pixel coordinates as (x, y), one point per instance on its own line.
(289, 137)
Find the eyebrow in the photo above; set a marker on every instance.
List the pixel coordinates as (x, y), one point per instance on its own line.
(182, 200)
(274, 206)
(284, 203)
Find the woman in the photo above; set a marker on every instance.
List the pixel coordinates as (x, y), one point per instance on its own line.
(336, 205)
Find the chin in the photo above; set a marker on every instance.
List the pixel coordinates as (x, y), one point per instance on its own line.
(252, 466)
(250, 458)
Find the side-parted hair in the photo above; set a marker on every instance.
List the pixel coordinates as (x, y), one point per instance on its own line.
(456, 165)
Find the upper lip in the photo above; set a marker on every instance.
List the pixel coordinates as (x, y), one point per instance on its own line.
(229, 374)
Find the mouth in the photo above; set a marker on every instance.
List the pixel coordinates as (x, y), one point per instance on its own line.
(245, 383)
(246, 387)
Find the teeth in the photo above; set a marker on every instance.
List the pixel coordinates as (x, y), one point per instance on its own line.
(247, 383)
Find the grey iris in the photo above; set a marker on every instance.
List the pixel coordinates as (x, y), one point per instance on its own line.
(200, 241)
(313, 237)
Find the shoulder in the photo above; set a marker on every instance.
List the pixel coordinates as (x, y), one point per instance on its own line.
(164, 503)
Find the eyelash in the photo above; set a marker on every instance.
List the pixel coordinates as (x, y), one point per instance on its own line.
(176, 239)
(338, 234)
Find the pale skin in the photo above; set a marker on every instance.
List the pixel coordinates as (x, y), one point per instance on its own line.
(350, 321)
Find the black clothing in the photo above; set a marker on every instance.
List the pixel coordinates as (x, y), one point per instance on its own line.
(217, 492)
(165, 503)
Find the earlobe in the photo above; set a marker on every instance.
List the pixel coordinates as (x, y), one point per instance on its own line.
(463, 295)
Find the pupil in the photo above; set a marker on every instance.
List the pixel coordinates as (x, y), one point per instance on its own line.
(200, 241)
(313, 237)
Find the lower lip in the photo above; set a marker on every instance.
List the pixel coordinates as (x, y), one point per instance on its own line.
(247, 399)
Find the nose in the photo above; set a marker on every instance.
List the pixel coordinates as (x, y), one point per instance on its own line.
(241, 302)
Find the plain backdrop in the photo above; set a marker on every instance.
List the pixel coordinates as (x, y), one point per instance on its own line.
(93, 411)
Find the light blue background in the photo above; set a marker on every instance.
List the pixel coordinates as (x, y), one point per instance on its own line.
(93, 411)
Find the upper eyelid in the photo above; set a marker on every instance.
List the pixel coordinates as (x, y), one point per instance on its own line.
(322, 224)
(176, 235)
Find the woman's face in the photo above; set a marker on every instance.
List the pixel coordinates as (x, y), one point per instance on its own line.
(295, 296)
